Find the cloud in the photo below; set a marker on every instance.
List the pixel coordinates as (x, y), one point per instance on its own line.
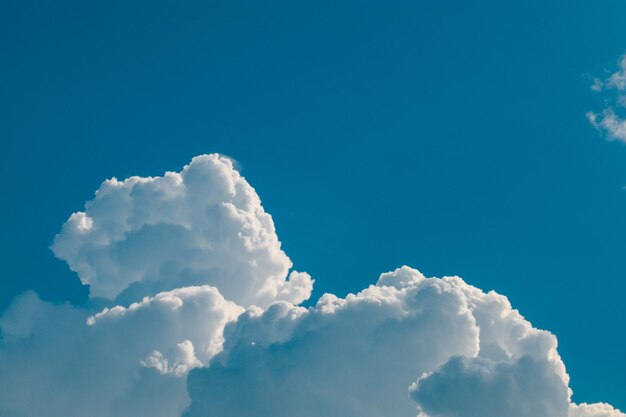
(195, 312)
(608, 120)
(150, 246)
(610, 123)
(350, 357)
(478, 387)
(615, 81)
(594, 410)
(77, 364)
(188, 322)
(204, 225)
(358, 357)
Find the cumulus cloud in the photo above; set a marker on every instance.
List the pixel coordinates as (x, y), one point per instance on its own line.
(478, 387)
(358, 356)
(201, 317)
(151, 246)
(350, 357)
(594, 410)
(203, 225)
(609, 121)
(78, 364)
(188, 322)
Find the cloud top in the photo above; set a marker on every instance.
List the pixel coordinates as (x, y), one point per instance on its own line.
(202, 226)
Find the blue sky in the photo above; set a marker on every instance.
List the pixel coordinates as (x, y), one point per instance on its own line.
(450, 137)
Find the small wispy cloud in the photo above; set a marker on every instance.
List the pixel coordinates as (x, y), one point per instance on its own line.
(609, 121)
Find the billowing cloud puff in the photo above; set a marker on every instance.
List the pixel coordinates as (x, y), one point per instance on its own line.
(204, 225)
(345, 357)
(358, 356)
(202, 319)
(151, 244)
(594, 410)
(609, 121)
(186, 323)
(77, 364)
(478, 387)
(517, 373)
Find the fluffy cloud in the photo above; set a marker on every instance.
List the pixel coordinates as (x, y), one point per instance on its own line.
(183, 326)
(59, 352)
(478, 387)
(609, 121)
(517, 373)
(152, 244)
(616, 81)
(594, 410)
(476, 355)
(201, 318)
(204, 225)
(358, 356)
(350, 357)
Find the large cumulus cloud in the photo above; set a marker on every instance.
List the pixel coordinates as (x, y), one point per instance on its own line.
(350, 357)
(478, 387)
(358, 356)
(172, 259)
(195, 312)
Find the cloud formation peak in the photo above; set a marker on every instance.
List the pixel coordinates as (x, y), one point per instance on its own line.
(202, 226)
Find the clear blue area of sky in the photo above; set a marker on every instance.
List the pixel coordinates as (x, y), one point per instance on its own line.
(446, 135)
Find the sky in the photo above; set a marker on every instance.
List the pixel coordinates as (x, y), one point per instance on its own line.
(458, 138)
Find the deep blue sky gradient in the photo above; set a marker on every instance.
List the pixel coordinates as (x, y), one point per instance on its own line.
(449, 136)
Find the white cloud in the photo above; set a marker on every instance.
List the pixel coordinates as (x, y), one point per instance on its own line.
(204, 225)
(188, 322)
(594, 410)
(616, 80)
(78, 364)
(202, 315)
(608, 120)
(345, 357)
(478, 387)
(157, 240)
(184, 360)
(610, 123)
(358, 356)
